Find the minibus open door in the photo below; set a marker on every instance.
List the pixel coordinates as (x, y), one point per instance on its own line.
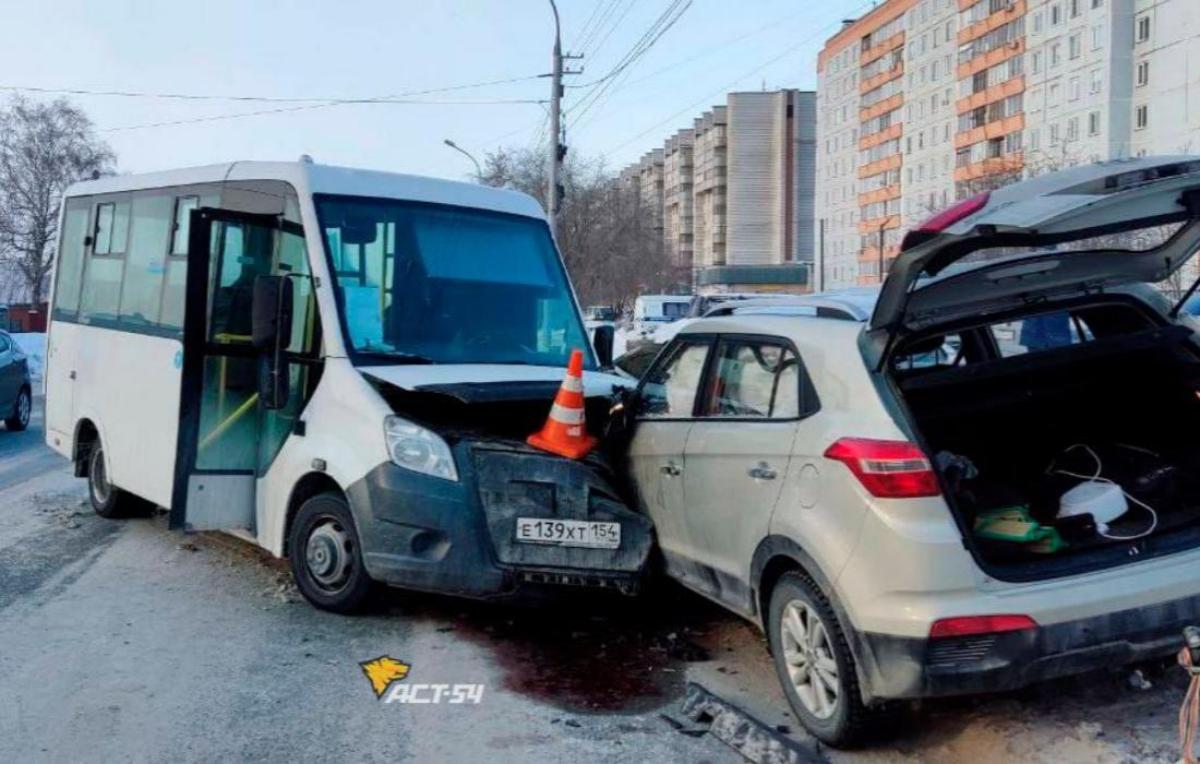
(220, 454)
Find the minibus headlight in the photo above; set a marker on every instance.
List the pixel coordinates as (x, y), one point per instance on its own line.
(418, 449)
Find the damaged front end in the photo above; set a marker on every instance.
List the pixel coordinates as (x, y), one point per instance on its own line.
(516, 519)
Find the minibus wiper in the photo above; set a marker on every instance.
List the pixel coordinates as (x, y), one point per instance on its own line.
(395, 356)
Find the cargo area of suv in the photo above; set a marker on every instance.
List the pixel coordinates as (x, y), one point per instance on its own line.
(1013, 412)
(1049, 383)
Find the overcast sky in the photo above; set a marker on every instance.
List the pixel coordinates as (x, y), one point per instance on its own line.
(364, 49)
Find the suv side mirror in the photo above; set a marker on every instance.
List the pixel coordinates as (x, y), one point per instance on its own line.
(271, 330)
(602, 342)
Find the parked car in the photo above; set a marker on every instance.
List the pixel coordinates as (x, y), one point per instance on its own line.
(897, 502)
(16, 389)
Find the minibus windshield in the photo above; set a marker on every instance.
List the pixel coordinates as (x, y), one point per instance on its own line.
(426, 283)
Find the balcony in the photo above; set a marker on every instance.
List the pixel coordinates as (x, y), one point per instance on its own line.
(891, 162)
(872, 226)
(882, 136)
(880, 107)
(871, 83)
(879, 49)
(1001, 165)
(991, 58)
(879, 195)
(986, 96)
(1014, 10)
(995, 129)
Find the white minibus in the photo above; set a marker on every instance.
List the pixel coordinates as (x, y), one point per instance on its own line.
(340, 366)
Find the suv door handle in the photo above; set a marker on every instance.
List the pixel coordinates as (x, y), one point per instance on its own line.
(762, 472)
(671, 469)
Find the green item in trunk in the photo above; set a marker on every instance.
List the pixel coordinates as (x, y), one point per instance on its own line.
(1014, 524)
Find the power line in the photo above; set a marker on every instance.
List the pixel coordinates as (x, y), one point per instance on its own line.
(669, 17)
(308, 107)
(725, 88)
(262, 99)
(612, 28)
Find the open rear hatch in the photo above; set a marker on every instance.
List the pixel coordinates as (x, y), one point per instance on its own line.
(1032, 373)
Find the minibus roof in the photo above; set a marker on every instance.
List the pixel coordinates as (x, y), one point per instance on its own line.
(309, 178)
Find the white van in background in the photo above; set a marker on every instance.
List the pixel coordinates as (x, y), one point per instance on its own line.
(651, 311)
(338, 365)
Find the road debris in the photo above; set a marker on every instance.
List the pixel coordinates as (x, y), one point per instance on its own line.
(756, 741)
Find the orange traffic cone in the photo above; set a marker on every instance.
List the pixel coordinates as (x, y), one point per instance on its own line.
(565, 432)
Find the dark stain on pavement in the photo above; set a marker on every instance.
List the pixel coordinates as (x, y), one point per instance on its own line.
(73, 536)
(589, 653)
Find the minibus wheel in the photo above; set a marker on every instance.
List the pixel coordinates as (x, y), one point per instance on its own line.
(326, 556)
(108, 500)
(815, 666)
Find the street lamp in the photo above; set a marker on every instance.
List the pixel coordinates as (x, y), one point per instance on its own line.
(467, 154)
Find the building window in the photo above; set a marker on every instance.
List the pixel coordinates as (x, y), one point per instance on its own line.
(1036, 66)
(1073, 89)
(1097, 36)
(1141, 117)
(1143, 73)
(1097, 81)
(1143, 29)
(1094, 123)
(1073, 129)
(1055, 15)
(1074, 8)
(1053, 135)
(1097, 3)
(1037, 22)
(1034, 140)
(1055, 54)
(1075, 44)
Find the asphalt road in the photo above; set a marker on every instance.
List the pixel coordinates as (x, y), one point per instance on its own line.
(121, 640)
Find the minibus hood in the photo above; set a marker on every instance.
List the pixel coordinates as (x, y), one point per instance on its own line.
(484, 383)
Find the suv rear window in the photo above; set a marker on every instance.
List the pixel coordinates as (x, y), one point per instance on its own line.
(1044, 332)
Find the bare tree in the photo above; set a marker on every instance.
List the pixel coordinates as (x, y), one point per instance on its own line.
(44, 147)
(605, 233)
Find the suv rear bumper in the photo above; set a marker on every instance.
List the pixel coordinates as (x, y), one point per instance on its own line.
(905, 667)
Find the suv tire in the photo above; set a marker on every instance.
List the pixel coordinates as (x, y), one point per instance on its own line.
(815, 666)
(326, 556)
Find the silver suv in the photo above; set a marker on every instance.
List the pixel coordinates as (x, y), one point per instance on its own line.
(992, 481)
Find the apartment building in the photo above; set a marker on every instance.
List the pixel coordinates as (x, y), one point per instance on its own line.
(710, 182)
(926, 101)
(738, 201)
(678, 232)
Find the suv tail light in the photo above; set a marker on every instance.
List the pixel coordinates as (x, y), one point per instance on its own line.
(888, 469)
(971, 625)
(954, 213)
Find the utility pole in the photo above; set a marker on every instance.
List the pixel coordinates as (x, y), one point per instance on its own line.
(881, 232)
(558, 148)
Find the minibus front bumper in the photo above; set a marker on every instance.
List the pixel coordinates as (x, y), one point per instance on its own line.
(459, 537)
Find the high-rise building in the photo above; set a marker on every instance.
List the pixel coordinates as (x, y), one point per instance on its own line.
(738, 193)
(922, 102)
(677, 202)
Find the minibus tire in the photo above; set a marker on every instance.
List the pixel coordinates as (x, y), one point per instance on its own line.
(325, 524)
(107, 500)
(851, 723)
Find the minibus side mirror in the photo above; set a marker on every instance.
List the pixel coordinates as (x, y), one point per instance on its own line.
(602, 343)
(271, 330)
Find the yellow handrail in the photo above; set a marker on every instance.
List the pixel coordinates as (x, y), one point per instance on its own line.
(220, 429)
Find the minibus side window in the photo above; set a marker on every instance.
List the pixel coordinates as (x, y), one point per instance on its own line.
(145, 262)
(104, 270)
(70, 259)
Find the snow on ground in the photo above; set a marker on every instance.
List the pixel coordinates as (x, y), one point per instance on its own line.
(33, 345)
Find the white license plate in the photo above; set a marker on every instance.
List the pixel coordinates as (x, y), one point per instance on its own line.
(597, 535)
